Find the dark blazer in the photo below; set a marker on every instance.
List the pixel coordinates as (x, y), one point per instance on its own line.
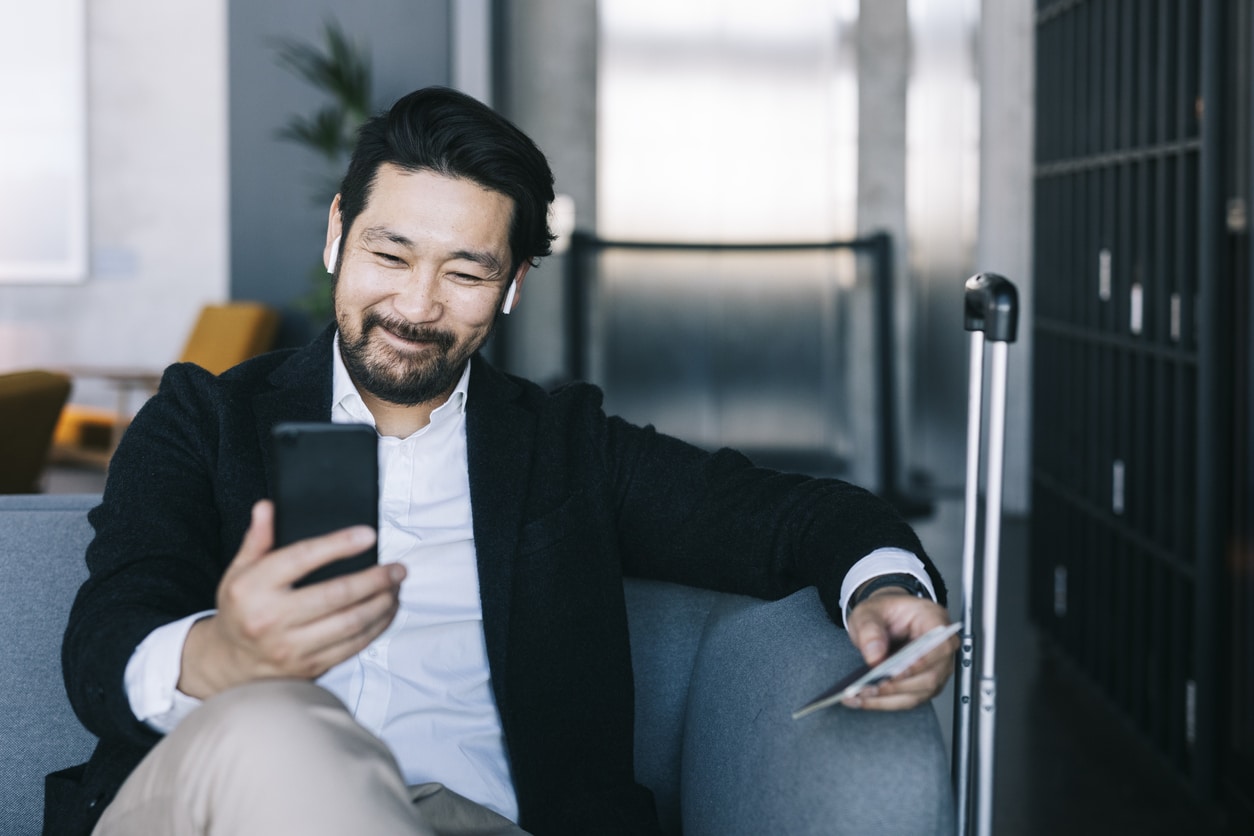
(566, 500)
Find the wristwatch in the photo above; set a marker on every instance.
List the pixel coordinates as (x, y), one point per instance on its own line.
(900, 580)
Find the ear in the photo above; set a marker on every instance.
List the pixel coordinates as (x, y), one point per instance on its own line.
(514, 291)
(331, 249)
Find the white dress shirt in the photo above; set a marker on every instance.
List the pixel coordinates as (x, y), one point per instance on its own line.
(423, 686)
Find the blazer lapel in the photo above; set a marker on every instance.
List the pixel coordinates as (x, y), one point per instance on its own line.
(499, 442)
(301, 391)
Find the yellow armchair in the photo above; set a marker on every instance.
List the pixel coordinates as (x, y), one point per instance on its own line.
(223, 336)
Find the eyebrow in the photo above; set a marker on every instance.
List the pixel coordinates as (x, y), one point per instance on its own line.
(374, 233)
(485, 259)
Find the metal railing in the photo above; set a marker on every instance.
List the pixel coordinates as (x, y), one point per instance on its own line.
(580, 273)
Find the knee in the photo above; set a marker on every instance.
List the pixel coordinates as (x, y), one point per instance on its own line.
(278, 695)
(266, 718)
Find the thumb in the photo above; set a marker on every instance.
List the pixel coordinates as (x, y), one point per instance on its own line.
(259, 538)
(870, 636)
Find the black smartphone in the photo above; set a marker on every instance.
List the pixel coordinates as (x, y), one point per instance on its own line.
(327, 478)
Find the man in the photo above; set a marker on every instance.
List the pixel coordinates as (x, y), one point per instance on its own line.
(484, 662)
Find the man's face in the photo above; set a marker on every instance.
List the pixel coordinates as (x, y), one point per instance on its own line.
(424, 270)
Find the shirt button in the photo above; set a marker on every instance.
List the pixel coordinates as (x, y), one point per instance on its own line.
(373, 653)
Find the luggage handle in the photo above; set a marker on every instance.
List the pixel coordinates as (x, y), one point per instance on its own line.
(992, 306)
(991, 313)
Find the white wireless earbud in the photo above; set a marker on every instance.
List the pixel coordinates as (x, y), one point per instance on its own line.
(509, 297)
(334, 255)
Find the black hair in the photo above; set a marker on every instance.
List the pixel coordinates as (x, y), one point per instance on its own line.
(452, 134)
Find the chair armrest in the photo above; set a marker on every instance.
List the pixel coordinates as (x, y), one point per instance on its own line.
(744, 766)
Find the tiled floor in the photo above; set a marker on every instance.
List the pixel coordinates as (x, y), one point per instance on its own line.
(1064, 765)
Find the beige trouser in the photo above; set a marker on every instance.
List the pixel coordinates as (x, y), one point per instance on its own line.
(279, 757)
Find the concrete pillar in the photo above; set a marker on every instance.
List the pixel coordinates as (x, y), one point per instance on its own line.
(546, 82)
(1007, 123)
(883, 71)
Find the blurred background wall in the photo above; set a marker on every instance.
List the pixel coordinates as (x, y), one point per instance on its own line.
(801, 121)
(158, 190)
(279, 191)
(718, 121)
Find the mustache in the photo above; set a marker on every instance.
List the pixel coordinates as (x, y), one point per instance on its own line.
(407, 330)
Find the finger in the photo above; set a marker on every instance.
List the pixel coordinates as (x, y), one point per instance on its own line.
(889, 617)
(926, 683)
(925, 679)
(289, 564)
(886, 702)
(870, 636)
(343, 634)
(907, 618)
(344, 591)
(938, 662)
(329, 607)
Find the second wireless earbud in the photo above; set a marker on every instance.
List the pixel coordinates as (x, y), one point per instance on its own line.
(334, 255)
(509, 297)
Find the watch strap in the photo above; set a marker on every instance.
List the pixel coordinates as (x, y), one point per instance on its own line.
(901, 580)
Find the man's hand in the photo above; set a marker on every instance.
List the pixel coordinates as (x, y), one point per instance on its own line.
(264, 628)
(892, 617)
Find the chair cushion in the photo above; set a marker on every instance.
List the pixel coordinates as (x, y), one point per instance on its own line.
(749, 768)
(42, 540)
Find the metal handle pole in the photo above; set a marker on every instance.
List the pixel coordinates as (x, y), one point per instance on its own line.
(988, 598)
(966, 659)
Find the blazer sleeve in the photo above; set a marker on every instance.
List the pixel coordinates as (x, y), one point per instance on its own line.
(715, 520)
(159, 547)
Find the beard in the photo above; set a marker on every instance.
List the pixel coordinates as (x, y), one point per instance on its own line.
(400, 377)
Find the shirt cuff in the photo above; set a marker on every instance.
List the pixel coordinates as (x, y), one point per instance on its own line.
(152, 676)
(883, 562)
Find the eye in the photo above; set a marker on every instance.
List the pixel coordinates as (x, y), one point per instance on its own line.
(388, 258)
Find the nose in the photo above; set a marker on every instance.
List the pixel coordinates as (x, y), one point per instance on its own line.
(419, 299)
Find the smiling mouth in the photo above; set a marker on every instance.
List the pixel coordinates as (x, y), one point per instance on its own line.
(402, 335)
(400, 338)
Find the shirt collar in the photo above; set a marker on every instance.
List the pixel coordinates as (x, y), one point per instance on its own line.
(344, 394)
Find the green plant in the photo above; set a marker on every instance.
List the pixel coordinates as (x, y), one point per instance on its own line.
(340, 68)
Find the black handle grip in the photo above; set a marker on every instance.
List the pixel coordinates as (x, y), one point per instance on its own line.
(992, 306)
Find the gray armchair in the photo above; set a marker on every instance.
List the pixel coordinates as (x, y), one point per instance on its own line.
(717, 677)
